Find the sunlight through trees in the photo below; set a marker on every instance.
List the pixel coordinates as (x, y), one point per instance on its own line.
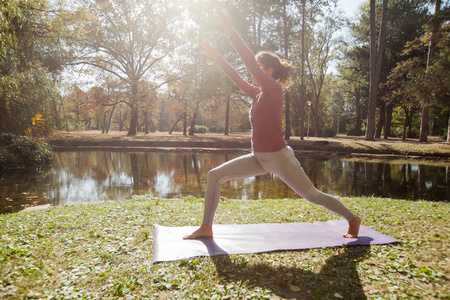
(136, 66)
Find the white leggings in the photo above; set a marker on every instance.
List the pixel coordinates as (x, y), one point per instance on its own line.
(282, 163)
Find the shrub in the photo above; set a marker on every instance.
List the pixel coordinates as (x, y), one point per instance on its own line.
(200, 129)
(23, 151)
(216, 129)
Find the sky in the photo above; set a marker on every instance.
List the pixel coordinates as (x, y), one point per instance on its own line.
(350, 7)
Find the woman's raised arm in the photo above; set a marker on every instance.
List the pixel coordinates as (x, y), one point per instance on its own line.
(225, 21)
(264, 79)
(209, 49)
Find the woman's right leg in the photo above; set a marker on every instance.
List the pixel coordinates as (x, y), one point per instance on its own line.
(238, 168)
(285, 165)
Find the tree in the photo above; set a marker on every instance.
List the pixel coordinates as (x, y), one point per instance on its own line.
(318, 56)
(413, 80)
(353, 83)
(405, 20)
(287, 34)
(108, 99)
(402, 91)
(129, 40)
(376, 55)
(430, 61)
(302, 69)
(31, 56)
(179, 104)
(78, 108)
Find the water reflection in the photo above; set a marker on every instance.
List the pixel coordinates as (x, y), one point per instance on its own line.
(102, 175)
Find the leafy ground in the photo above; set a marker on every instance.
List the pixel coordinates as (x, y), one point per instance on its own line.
(103, 251)
(434, 148)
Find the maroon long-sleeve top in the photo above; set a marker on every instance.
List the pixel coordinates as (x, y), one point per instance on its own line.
(267, 99)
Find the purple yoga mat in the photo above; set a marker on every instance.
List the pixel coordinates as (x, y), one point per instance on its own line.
(168, 243)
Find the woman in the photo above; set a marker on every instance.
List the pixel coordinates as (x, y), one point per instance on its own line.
(270, 152)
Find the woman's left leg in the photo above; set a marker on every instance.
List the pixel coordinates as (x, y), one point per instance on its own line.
(241, 167)
(238, 168)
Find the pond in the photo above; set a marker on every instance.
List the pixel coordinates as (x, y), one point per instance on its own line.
(89, 176)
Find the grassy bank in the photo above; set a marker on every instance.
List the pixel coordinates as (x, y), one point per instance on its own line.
(101, 251)
(435, 148)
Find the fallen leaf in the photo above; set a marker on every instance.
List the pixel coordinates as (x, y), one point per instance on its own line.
(295, 288)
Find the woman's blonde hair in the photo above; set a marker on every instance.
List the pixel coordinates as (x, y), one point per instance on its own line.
(282, 69)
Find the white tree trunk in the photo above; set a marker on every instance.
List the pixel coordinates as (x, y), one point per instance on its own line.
(448, 130)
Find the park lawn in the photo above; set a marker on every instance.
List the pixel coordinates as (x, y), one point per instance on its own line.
(104, 250)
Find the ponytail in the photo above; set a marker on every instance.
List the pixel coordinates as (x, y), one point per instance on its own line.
(282, 69)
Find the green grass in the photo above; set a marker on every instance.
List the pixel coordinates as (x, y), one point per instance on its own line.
(103, 251)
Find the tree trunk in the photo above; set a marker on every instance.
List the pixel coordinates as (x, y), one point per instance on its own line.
(287, 99)
(146, 122)
(448, 130)
(121, 119)
(104, 121)
(410, 121)
(133, 122)
(370, 130)
(315, 118)
(358, 123)
(184, 123)
(134, 110)
(108, 127)
(426, 103)
(424, 122)
(302, 113)
(376, 56)
(387, 124)
(302, 81)
(194, 119)
(227, 113)
(176, 122)
(185, 118)
(405, 125)
(381, 120)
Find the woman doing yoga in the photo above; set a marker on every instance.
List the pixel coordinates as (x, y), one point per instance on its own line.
(270, 152)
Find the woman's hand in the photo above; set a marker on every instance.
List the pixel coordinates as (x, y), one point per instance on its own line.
(209, 49)
(225, 21)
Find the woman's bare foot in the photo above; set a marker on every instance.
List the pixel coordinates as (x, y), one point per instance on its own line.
(353, 227)
(203, 231)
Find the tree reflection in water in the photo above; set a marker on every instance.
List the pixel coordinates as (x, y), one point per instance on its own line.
(86, 176)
